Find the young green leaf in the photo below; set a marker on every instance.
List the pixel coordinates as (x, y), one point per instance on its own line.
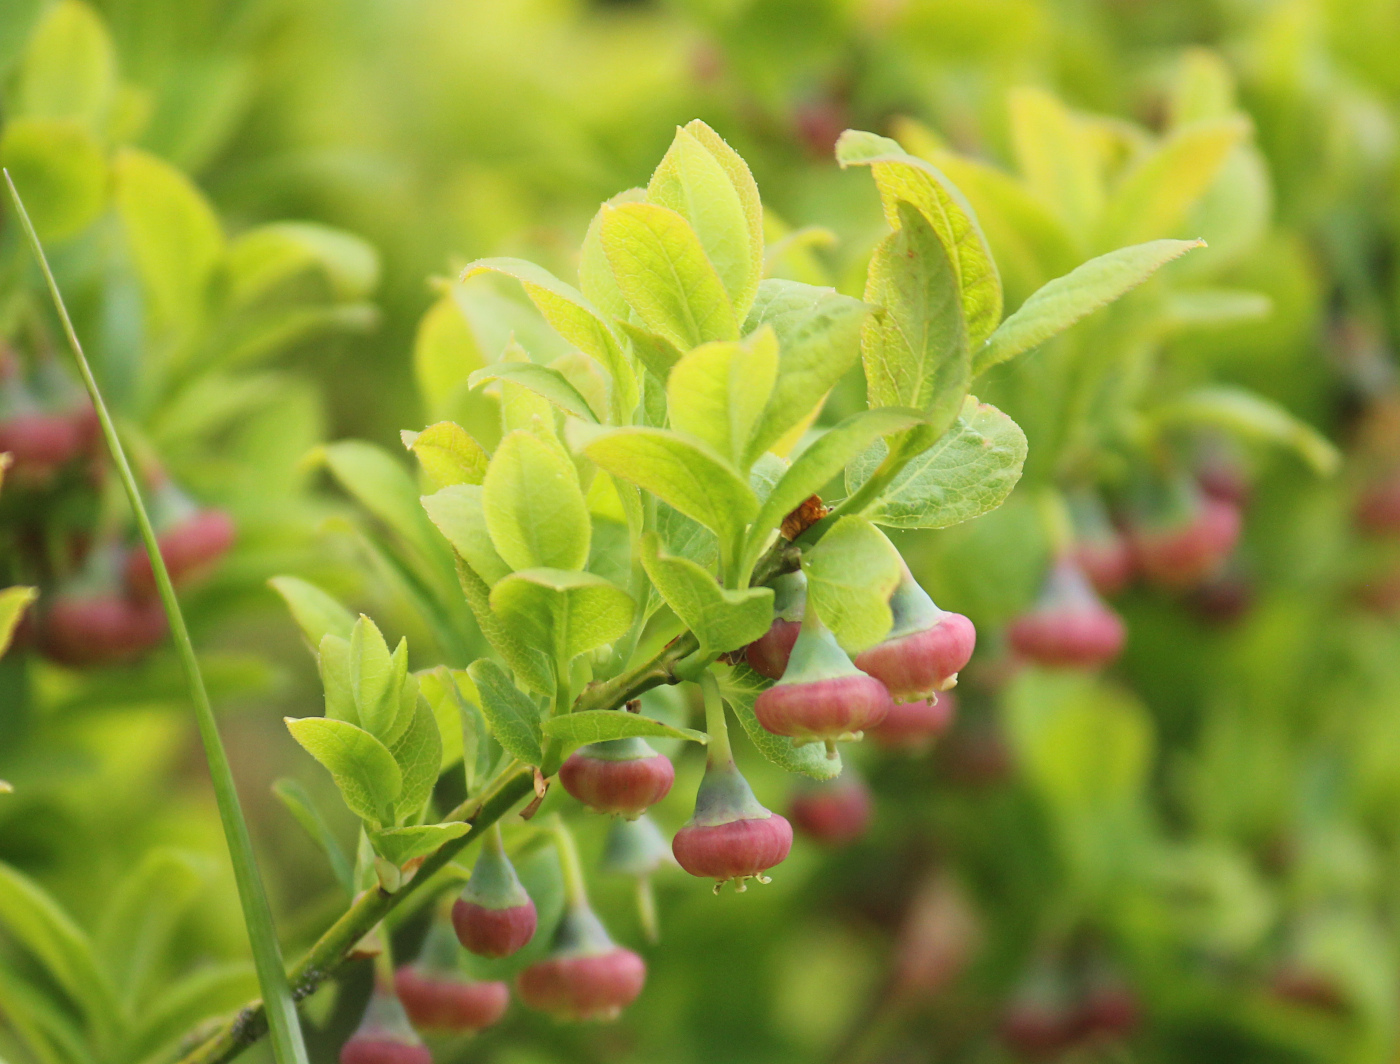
(685, 473)
(902, 177)
(398, 846)
(662, 272)
(514, 719)
(303, 808)
(1253, 417)
(718, 391)
(851, 573)
(915, 351)
(534, 508)
(373, 675)
(333, 663)
(418, 752)
(565, 613)
(460, 514)
(175, 238)
(824, 459)
(62, 171)
(1153, 197)
(143, 910)
(531, 665)
(13, 601)
(317, 614)
(362, 767)
(654, 352)
(968, 472)
(445, 353)
(595, 276)
(722, 620)
(545, 382)
(448, 454)
(740, 686)
(818, 332)
(573, 317)
(690, 181)
(69, 70)
(1055, 155)
(1062, 302)
(600, 725)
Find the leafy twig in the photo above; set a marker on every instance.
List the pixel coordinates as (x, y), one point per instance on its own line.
(287, 1043)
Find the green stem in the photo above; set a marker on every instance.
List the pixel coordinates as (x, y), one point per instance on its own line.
(364, 914)
(718, 751)
(287, 1044)
(575, 890)
(659, 669)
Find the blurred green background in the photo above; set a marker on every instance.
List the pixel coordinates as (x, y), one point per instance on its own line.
(1253, 847)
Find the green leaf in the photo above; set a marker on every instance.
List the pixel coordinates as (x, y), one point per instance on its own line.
(175, 238)
(214, 990)
(600, 725)
(401, 845)
(460, 514)
(418, 752)
(1154, 196)
(69, 70)
(268, 256)
(384, 487)
(685, 473)
(818, 333)
(718, 391)
(514, 719)
(543, 381)
(448, 454)
(13, 601)
(1055, 154)
(534, 508)
(303, 808)
(662, 272)
(655, 353)
(907, 178)
(40, 1023)
(968, 472)
(59, 169)
(1213, 308)
(439, 688)
(531, 665)
(690, 181)
(362, 767)
(595, 276)
(740, 686)
(445, 354)
(915, 351)
(1062, 302)
(373, 678)
(317, 614)
(333, 663)
(39, 924)
(1253, 417)
(563, 612)
(142, 913)
(824, 459)
(722, 620)
(742, 179)
(851, 573)
(573, 317)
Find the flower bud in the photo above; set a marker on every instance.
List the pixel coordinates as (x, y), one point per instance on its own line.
(42, 431)
(1069, 625)
(494, 916)
(636, 848)
(1377, 508)
(1109, 1007)
(85, 630)
(1040, 1021)
(1184, 537)
(441, 1001)
(926, 648)
(622, 776)
(731, 836)
(913, 726)
(1099, 548)
(585, 976)
(768, 655)
(385, 1036)
(190, 547)
(832, 812)
(822, 697)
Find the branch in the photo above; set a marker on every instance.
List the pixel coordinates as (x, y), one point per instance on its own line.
(334, 947)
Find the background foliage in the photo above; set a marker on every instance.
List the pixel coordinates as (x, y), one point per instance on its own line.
(1223, 810)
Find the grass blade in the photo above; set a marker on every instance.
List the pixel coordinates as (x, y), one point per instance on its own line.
(287, 1043)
